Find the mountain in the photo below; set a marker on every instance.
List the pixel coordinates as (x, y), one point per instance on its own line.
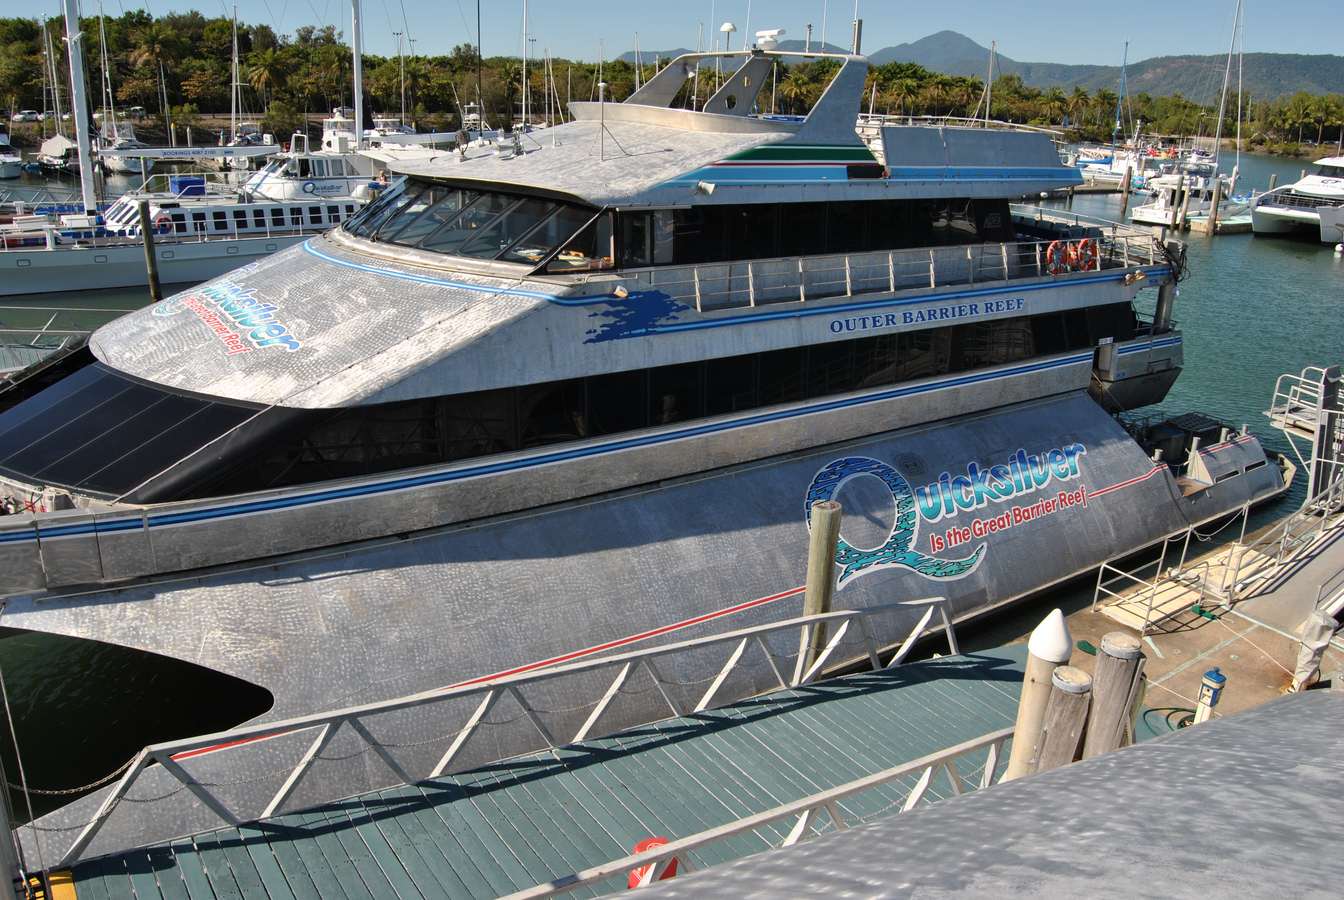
(1266, 75)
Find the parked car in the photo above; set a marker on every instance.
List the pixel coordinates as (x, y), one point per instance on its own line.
(136, 113)
(26, 115)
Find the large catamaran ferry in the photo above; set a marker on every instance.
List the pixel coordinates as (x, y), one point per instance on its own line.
(582, 393)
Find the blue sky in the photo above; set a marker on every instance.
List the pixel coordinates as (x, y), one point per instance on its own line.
(1027, 30)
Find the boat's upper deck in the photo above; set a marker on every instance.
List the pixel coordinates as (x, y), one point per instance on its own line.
(648, 152)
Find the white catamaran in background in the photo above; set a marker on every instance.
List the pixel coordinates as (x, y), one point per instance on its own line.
(1313, 205)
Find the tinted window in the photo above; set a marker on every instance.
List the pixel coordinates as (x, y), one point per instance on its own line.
(99, 431)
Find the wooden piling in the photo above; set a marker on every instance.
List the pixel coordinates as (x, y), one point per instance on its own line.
(151, 261)
(1216, 199)
(825, 533)
(1273, 179)
(1049, 647)
(1183, 219)
(1065, 718)
(1124, 189)
(1112, 687)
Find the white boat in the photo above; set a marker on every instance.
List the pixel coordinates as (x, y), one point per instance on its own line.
(11, 160)
(1310, 206)
(585, 395)
(120, 135)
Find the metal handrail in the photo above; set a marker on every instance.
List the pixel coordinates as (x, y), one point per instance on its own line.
(807, 810)
(173, 756)
(710, 287)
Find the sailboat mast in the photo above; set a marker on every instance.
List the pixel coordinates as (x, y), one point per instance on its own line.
(357, 40)
(989, 81)
(75, 46)
(1227, 79)
(55, 75)
(525, 91)
(233, 85)
(109, 106)
(480, 94)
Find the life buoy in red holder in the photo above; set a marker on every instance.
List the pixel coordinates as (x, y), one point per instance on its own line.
(642, 875)
(1083, 255)
(1057, 258)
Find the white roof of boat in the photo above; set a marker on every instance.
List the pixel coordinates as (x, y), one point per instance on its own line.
(577, 160)
(1337, 161)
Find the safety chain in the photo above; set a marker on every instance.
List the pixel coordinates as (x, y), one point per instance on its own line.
(65, 792)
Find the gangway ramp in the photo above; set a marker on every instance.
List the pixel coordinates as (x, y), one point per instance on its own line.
(514, 824)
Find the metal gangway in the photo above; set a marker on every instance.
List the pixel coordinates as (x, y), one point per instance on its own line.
(1309, 409)
(266, 769)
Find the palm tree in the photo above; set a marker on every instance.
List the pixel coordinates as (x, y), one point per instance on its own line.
(793, 90)
(1053, 105)
(265, 71)
(156, 45)
(902, 92)
(1077, 103)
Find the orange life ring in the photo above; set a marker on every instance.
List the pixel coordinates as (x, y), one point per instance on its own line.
(1057, 258)
(1083, 255)
(642, 875)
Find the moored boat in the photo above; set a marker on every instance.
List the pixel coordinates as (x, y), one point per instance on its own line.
(1310, 206)
(534, 404)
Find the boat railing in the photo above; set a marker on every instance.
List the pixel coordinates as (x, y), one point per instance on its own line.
(49, 235)
(1287, 197)
(709, 287)
(880, 120)
(180, 786)
(790, 823)
(214, 184)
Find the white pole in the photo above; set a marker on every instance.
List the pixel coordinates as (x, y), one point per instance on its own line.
(357, 48)
(233, 88)
(1048, 648)
(525, 65)
(75, 45)
(825, 14)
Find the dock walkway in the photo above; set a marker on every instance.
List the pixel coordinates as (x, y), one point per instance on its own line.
(525, 821)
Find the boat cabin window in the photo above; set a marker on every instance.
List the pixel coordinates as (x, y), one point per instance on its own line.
(1331, 171)
(708, 234)
(100, 432)
(480, 224)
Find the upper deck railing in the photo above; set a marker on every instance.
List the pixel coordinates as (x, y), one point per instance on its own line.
(749, 283)
(1287, 197)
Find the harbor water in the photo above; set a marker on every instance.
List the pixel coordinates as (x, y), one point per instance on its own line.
(1250, 309)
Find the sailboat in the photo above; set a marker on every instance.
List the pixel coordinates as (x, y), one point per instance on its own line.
(1196, 175)
(116, 133)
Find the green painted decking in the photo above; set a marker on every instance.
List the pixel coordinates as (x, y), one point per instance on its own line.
(528, 820)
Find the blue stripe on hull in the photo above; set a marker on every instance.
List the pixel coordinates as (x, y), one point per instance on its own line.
(398, 484)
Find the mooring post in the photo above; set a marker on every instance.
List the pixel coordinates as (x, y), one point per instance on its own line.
(1124, 190)
(1112, 687)
(1273, 179)
(1065, 718)
(825, 533)
(1048, 648)
(151, 261)
(1183, 220)
(1216, 199)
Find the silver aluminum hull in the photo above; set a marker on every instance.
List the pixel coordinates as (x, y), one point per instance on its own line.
(702, 553)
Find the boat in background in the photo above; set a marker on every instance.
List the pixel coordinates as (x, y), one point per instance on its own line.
(1311, 206)
(11, 160)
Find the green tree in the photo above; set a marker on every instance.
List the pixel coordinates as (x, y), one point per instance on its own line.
(265, 71)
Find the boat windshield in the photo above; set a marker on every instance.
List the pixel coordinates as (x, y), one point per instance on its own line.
(459, 221)
(99, 432)
(1331, 171)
